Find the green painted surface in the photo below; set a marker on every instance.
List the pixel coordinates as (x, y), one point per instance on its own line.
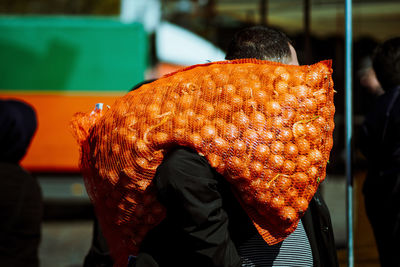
(71, 53)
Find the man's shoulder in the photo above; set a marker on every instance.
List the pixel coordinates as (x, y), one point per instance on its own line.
(181, 153)
(184, 160)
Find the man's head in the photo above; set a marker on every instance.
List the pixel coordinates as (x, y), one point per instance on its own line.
(262, 43)
(386, 63)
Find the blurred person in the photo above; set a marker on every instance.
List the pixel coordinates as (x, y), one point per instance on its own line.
(366, 91)
(380, 141)
(365, 74)
(368, 78)
(20, 194)
(205, 224)
(369, 88)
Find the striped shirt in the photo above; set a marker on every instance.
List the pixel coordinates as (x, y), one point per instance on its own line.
(295, 251)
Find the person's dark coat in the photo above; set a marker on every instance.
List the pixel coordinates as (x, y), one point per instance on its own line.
(20, 194)
(380, 143)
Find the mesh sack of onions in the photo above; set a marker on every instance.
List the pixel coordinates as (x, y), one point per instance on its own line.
(265, 126)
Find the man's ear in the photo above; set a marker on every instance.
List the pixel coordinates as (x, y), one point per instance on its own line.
(293, 56)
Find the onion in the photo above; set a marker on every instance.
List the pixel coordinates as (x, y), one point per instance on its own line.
(273, 108)
(220, 145)
(223, 110)
(180, 136)
(299, 130)
(246, 92)
(250, 136)
(185, 101)
(267, 137)
(208, 132)
(301, 91)
(214, 160)
(276, 122)
(131, 138)
(235, 165)
(236, 102)
(261, 97)
(207, 109)
(312, 131)
(289, 100)
(219, 124)
(277, 202)
(221, 78)
(256, 168)
(281, 73)
(241, 120)
(285, 135)
(257, 120)
(313, 79)
(196, 140)
(312, 172)
(198, 121)
(277, 147)
(300, 180)
(239, 147)
(315, 156)
(301, 204)
(261, 152)
(288, 167)
(249, 106)
(230, 132)
(291, 150)
(303, 163)
(288, 115)
(297, 77)
(283, 183)
(228, 90)
(180, 121)
(281, 87)
(288, 215)
(303, 145)
(276, 161)
(308, 106)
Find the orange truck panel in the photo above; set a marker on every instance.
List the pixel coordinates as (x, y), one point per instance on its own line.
(53, 148)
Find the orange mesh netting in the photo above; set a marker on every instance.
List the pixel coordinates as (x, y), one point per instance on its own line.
(265, 126)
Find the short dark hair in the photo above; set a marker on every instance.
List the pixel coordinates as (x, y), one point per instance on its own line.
(260, 42)
(386, 63)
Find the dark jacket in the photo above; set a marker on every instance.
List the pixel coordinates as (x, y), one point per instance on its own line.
(380, 144)
(20, 194)
(205, 223)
